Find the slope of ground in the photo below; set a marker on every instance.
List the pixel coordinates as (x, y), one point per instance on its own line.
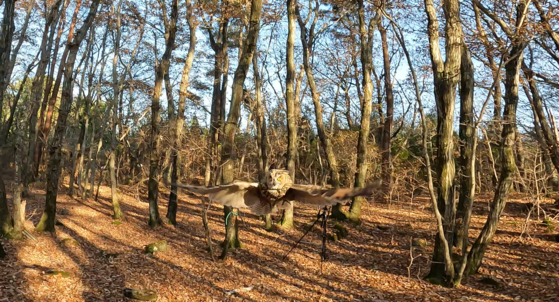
(372, 264)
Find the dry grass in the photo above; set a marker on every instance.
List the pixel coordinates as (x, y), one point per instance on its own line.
(369, 265)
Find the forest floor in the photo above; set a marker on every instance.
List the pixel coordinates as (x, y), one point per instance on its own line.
(371, 264)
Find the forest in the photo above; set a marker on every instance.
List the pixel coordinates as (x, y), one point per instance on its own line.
(419, 141)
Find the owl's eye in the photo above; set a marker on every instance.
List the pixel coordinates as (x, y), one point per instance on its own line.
(279, 178)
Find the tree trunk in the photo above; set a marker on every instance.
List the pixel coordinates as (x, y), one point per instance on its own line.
(536, 101)
(18, 206)
(508, 165)
(228, 151)
(54, 167)
(388, 120)
(8, 125)
(466, 160)
(551, 172)
(5, 220)
(307, 38)
(261, 135)
(287, 217)
(79, 144)
(7, 31)
(183, 91)
(365, 37)
(37, 91)
(153, 184)
(445, 77)
(519, 157)
(117, 212)
(46, 116)
(220, 58)
(497, 95)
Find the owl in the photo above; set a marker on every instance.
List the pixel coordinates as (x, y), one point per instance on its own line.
(275, 192)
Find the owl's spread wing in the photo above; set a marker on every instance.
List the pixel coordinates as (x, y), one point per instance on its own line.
(237, 194)
(208, 190)
(318, 197)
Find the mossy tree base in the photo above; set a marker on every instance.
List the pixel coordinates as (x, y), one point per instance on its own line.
(338, 213)
(232, 240)
(118, 215)
(46, 224)
(286, 221)
(269, 223)
(355, 210)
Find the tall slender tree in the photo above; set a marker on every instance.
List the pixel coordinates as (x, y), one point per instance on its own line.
(518, 41)
(6, 36)
(365, 40)
(287, 217)
(446, 75)
(117, 212)
(54, 167)
(228, 152)
(183, 92)
(161, 69)
(389, 116)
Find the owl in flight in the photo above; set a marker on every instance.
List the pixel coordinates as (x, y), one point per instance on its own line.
(276, 192)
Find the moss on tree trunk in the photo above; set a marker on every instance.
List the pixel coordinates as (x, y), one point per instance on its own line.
(286, 221)
(232, 240)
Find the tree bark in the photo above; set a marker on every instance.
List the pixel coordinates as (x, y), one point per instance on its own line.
(117, 211)
(519, 157)
(37, 91)
(365, 37)
(287, 217)
(54, 167)
(307, 39)
(79, 144)
(536, 102)
(445, 77)
(18, 205)
(22, 37)
(466, 160)
(228, 151)
(153, 184)
(49, 97)
(5, 220)
(388, 120)
(261, 135)
(508, 164)
(7, 32)
(8, 125)
(221, 56)
(183, 91)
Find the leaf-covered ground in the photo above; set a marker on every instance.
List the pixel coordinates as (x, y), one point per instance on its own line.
(371, 264)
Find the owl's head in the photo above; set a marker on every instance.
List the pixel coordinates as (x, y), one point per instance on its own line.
(279, 180)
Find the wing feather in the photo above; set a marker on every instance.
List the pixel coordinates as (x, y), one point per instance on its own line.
(329, 197)
(214, 189)
(237, 195)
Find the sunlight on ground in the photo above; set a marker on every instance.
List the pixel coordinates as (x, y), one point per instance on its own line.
(372, 263)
